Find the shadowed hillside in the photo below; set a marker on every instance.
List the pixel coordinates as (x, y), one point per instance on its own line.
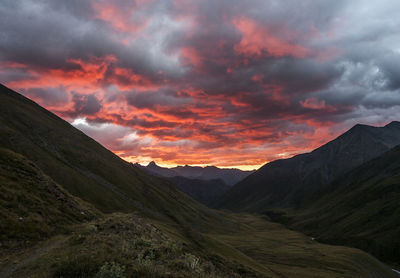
(293, 182)
(360, 209)
(203, 191)
(32, 206)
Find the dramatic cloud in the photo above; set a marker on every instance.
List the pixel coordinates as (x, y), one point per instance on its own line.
(229, 83)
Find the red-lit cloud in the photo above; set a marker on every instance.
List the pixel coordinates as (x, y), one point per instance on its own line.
(259, 40)
(228, 83)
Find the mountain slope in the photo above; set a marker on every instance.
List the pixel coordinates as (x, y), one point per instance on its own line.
(293, 182)
(81, 165)
(58, 157)
(32, 206)
(203, 191)
(205, 185)
(360, 209)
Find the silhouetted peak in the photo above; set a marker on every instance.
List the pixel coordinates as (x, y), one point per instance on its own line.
(394, 124)
(152, 164)
(360, 126)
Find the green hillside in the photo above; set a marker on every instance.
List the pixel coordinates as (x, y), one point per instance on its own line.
(32, 206)
(361, 209)
(87, 213)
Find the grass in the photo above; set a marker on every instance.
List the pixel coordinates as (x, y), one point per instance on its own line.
(32, 206)
(122, 245)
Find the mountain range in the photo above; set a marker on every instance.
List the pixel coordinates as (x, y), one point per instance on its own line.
(204, 184)
(71, 208)
(229, 176)
(293, 182)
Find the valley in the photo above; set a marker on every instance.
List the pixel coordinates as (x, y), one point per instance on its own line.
(89, 213)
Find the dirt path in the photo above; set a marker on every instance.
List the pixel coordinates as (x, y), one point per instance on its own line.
(31, 256)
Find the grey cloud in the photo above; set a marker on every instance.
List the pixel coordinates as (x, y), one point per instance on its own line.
(53, 96)
(361, 79)
(151, 99)
(85, 104)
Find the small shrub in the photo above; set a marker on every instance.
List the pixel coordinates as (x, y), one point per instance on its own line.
(143, 260)
(192, 262)
(111, 270)
(141, 242)
(92, 228)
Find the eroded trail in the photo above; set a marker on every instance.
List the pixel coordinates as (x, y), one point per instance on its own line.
(32, 255)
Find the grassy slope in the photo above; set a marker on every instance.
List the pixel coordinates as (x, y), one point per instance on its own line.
(32, 206)
(63, 156)
(360, 209)
(203, 191)
(85, 168)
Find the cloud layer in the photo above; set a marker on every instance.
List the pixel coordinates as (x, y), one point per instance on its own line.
(229, 83)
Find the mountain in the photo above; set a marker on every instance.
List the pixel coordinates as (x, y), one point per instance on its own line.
(360, 209)
(229, 176)
(203, 191)
(293, 182)
(153, 169)
(71, 208)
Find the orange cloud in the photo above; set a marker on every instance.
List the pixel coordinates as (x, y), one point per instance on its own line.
(120, 17)
(191, 55)
(259, 40)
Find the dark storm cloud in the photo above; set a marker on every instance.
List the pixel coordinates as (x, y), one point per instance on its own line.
(48, 34)
(208, 73)
(85, 104)
(151, 99)
(389, 67)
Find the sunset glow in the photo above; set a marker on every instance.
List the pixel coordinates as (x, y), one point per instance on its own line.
(224, 83)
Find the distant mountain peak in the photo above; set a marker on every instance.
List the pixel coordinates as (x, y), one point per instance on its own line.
(229, 176)
(393, 124)
(360, 127)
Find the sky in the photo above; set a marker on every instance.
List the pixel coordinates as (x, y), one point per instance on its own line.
(229, 83)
